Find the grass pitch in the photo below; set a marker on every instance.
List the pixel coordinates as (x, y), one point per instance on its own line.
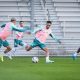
(22, 68)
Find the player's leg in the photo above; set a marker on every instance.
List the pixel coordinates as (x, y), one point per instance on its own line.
(32, 45)
(9, 51)
(6, 45)
(16, 42)
(1, 56)
(8, 48)
(28, 48)
(74, 55)
(1, 43)
(21, 43)
(43, 47)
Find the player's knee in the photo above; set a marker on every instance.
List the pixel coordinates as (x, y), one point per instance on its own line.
(28, 48)
(46, 50)
(7, 50)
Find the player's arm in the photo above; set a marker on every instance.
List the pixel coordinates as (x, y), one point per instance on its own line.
(18, 29)
(55, 38)
(3, 25)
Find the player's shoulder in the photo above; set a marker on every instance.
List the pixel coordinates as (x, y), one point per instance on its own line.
(9, 23)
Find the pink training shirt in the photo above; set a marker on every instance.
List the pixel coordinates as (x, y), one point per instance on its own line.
(6, 31)
(43, 34)
(19, 35)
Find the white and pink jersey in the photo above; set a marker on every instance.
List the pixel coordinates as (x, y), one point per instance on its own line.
(43, 34)
(6, 31)
(19, 35)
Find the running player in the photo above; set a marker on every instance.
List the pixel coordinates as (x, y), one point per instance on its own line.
(6, 32)
(41, 35)
(74, 55)
(19, 35)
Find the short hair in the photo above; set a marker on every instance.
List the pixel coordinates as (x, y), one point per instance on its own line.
(21, 21)
(13, 19)
(49, 22)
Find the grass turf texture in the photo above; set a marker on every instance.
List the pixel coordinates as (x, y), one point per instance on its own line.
(22, 68)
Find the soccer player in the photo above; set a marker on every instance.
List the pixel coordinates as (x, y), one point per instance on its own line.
(74, 55)
(6, 32)
(19, 35)
(41, 34)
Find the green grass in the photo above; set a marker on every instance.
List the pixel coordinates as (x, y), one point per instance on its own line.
(21, 68)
